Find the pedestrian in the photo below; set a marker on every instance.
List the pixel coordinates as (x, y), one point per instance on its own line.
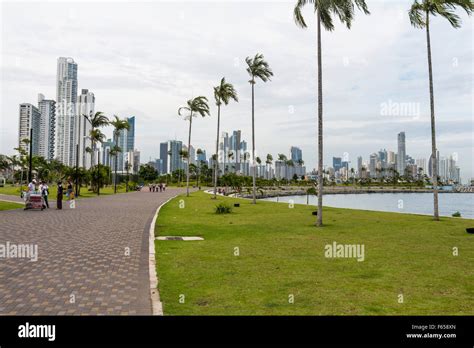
(59, 201)
(164, 187)
(45, 192)
(149, 186)
(161, 186)
(69, 190)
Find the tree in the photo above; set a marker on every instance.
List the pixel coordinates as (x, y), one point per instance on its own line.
(97, 120)
(420, 18)
(119, 126)
(222, 94)
(257, 68)
(325, 9)
(198, 169)
(194, 106)
(97, 137)
(147, 172)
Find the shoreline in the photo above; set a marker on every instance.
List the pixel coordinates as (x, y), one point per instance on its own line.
(335, 191)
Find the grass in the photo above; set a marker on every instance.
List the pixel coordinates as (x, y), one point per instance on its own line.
(281, 254)
(108, 190)
(10, 206)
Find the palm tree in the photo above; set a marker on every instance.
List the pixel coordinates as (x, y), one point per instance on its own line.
(119, 126)
(420, 18)
(257, 68)
(194, 106)
(198, 152)
(96, 120)
(183, 154)
(269, 162)
(324, 10)
(222, 94)
(97, 137)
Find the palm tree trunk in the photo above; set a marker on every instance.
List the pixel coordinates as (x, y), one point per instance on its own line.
(189, 153)
(434, 159)
(216, 162)
(320, 129)
(253, 145)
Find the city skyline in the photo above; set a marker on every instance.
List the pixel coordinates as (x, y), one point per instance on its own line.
(285, 108)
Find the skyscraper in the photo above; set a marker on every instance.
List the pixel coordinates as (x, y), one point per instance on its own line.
(359, 165)
(85, 106)
(30, 118)
(47, 109)
(66, 98)
(296, 154)
(336, 163)
(401, 154)
(126, 143)
(164, 157)
(131, 134)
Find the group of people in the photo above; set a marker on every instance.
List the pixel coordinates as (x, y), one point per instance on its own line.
(41, 187)
(157, 187)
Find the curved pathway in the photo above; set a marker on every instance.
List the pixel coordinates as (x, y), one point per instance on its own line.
(93, 259)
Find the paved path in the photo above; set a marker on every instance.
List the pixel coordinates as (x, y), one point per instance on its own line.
(82, 266)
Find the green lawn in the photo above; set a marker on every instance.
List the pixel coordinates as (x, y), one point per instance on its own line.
(9, 205)
(282, 254)
(108, 190)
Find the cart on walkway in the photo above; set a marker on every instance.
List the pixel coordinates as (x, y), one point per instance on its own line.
(34, 201)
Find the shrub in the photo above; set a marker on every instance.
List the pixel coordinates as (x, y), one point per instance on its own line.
(456, 214)
(223, 208)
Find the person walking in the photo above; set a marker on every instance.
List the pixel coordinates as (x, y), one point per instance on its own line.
(44, 193)
(69, 190)
(59, 201)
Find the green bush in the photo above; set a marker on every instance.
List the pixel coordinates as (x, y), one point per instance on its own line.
(456, 214)
(223, 208)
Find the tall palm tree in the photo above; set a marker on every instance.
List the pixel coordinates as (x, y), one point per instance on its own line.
(420, 18)
(257, 68)
(97, 137)
(119, 126)
(194, 106)
(325, 9)
(269, 162)
(96, 120)
(199, 162)
(222, 94)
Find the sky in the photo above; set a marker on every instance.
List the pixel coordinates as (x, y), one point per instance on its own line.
(147, 59)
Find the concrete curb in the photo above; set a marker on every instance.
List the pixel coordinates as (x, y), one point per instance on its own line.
(157, 306)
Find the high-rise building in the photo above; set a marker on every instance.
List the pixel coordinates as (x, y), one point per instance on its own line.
(391, 159)
(47, 109)
(131, 134)
(359, 165)
(373, 165)
(401, 154)
(66, 98)
(201, 157)
(336, 163)
(85, 108)
(421, 163)
(29, 118)
(176, 162)
(165, 158)
(296, 154)
(126, 143)
(107, 159)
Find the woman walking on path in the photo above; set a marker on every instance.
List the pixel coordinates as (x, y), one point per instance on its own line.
(45, 193)
(59, 202)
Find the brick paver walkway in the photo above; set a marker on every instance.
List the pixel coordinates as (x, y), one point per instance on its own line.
(82, 266)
